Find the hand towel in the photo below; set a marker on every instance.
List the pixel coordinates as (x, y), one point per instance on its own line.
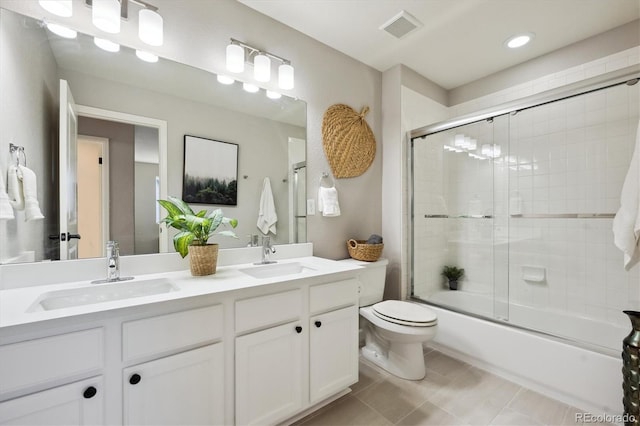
(30, 191)
(267, 216)
(626, 224)
(14, 183)
(6, 212)
(328, 201)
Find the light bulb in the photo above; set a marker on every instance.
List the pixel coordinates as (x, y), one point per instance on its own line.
(107, 45)
(251, 88)
(285, 77)
(150, 27)
(225, 79)
(61, 30)
(262, 68)
(235, 58)
(105, 14)
(62, 8)
(146, 56)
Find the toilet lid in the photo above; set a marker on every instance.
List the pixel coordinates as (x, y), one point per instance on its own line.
(405, 313)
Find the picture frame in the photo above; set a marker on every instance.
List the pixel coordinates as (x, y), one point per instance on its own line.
(210, 171)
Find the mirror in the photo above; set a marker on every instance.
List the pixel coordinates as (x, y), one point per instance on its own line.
(155, 105)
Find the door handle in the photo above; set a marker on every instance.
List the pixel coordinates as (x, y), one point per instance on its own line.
(318, 324)
(298, 329)
(75, 236)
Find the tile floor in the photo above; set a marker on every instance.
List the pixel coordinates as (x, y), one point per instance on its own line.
(452, 393)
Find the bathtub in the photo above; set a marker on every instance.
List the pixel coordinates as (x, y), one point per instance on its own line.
(587, 376)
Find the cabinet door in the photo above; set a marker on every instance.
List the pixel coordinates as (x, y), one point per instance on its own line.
(187, 388)
(79, 403)
(269, 374)
(333, 364)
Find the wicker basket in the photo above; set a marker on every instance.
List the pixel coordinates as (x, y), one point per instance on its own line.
(203, 259)
(360, 250)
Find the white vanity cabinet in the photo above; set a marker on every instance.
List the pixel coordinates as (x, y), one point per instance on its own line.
(179, 389)
(294, 360)
(52, 380)
(187, 388)
(78, 403)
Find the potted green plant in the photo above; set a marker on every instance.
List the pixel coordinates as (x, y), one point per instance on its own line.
(453, 274)
(195, 229)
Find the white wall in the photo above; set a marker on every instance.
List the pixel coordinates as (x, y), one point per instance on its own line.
(197, 32)
(24, 72)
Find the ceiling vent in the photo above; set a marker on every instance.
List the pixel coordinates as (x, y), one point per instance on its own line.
(401, 24)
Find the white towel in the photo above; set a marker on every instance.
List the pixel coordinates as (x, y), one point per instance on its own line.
(267, 216)
(626, 224)
(6, 212)
(30, 191)
(14, 183)
(328, 201)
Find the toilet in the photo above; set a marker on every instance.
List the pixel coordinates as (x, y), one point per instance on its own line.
(394, 330)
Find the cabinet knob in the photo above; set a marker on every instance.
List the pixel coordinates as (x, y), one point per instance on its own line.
(318, 324)
(298, 329)
(90, 392)
(135, 379)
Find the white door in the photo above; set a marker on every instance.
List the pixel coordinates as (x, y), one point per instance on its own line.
(68, 160)
(333, 343)
(79, 403)
(182, 389)
(269, 375)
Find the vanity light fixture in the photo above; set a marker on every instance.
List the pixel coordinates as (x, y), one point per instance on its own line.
(63, 8)
(262, 67)
(519, 40)
(61, 30)
(273, 95)
(105, 14)
(107, 45)
(238, 52)
(150, 27)
(251, 88)
(225, 79)
(146, 56)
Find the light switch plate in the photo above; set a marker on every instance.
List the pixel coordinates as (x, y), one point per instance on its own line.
(311, 206)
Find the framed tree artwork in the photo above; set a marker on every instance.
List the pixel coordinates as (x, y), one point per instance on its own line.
(210, 171)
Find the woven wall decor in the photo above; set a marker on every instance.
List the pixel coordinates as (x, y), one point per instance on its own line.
(347, 140)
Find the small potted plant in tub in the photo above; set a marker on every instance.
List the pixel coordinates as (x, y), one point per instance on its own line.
(453, 274)
(195, 231)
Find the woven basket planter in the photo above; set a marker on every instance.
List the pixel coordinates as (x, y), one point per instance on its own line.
(203, 260)
(347, 140)
(360, 250)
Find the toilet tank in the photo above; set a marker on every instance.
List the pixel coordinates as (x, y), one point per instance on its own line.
(372, 278)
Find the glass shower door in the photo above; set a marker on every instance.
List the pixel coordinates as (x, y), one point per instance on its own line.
(460, 190)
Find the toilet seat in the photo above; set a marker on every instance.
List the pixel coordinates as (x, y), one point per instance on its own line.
(405, 313)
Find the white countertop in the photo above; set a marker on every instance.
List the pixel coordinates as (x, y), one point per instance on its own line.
(15, 304)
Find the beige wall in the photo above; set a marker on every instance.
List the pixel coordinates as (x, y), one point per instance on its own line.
(197, 32)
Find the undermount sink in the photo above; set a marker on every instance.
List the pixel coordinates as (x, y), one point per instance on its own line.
(273, 270)
(99, 293)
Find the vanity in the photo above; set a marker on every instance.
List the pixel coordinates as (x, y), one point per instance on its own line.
(248, 345)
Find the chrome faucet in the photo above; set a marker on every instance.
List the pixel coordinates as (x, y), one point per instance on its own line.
(267, 249)
(113, 265)
(113, 261)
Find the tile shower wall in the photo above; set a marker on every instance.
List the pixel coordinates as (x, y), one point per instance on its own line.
(571, 157)
(566, 157)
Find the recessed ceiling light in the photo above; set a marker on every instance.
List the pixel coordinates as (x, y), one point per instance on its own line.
(519, 40)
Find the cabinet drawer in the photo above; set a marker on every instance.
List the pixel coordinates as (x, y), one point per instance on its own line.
(164, 333)
(263, 311)
(325, 297)
(41, 361)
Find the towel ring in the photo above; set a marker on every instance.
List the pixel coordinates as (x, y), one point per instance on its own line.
(17, 150)
(326, 175)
